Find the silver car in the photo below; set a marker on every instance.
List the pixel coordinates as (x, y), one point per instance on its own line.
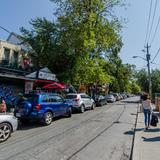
(81, 101)
(110, 98)
(8, 124)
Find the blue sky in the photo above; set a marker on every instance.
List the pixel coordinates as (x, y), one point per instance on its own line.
(17, 13)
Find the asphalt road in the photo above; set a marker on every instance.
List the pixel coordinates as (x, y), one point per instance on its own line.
(103, 134)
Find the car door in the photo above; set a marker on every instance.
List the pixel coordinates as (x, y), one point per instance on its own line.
(89, 100)
(56, 105)
(84, 100)
(63, 107)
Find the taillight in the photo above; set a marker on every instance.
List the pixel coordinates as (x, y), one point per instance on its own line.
(38, 107)
(76, 99)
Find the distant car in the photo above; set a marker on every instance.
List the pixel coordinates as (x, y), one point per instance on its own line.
(8, 124)
(100, 100)
(110, 98)
(42, 107)
(81, 101)
(117, 96)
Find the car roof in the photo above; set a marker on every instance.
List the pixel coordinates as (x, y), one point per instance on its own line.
(42, 94)
(75, 93)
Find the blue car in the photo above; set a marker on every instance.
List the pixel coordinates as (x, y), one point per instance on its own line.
(42, 107)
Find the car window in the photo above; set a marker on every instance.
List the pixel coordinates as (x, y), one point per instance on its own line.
(55, 98)
(45, 98)
(83, 96)
(88, 96)
(71, 96)
(101, 97)
(30, 97)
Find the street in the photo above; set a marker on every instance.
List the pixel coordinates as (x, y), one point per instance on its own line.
(103, 134)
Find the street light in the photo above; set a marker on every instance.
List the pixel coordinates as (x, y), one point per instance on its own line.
(149, 74)
(139, 57)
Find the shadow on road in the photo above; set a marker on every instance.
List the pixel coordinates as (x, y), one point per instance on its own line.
(154, 139)
(131, 132)
(153, 130)
(34, 124)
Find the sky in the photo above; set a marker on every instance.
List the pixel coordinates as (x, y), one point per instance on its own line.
(17, 13)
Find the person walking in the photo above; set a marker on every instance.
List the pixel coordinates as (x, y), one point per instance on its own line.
(146, 104)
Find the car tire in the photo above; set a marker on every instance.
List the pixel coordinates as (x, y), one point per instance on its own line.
(48, 117)
(93, 106)
(82, 108)
(5, 131)
(69, 112)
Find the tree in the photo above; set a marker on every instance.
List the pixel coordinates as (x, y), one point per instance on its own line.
(41, 39)
(84, 34)
(142, 80)
(88, 29)
(90, 71)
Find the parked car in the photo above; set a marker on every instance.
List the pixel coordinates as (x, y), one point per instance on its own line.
(81, 101)
(8, 124)
(100, 100)
(110, 98)
(42, 107)
(117, 96)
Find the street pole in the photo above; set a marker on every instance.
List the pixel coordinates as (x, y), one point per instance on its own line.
(149, 73)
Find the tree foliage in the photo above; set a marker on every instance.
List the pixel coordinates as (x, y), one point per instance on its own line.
(142, 78)
(82, 45)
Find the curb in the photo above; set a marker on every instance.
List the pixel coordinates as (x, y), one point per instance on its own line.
(134, 135)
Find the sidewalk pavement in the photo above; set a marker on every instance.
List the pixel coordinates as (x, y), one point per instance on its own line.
(146, 142)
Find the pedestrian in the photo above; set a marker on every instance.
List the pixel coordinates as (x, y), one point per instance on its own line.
(146, 104)
(3, 107)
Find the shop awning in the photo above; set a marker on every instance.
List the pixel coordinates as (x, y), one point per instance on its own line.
(54, 85)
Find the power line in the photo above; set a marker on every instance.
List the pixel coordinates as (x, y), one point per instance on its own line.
(154, 12)
(149, 17)
(5, 29)
(156, 55)
(155, 30)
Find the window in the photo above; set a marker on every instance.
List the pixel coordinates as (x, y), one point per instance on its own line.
(52, 99)
(15, 57)
(45, 99)
(71, 96)
(59, 99)
(55, 99)
(6, 56)
(83, 96)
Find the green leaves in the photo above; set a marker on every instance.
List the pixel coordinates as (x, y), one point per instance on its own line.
(82, 46)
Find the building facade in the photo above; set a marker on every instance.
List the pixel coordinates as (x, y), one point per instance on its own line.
(13, 56)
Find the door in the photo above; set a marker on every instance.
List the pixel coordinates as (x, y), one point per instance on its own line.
(85, 99)
(57, 104)
(89, 101)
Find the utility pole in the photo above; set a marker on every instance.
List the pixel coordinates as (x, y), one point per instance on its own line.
(149, 73)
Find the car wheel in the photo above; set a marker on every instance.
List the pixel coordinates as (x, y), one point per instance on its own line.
(93, 106)
(82, 108)
(48, 117)
(69, 112)
(5, 131)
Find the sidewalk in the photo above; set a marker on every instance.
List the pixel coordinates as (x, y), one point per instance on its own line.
(147, 142)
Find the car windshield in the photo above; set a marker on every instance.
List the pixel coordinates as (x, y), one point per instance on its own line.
(71, 96)
(110, 95)
(27, 97)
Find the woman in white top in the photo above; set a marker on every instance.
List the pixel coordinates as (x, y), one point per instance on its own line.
(146, 103)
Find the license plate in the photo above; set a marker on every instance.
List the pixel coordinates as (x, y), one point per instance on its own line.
(18, 115)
